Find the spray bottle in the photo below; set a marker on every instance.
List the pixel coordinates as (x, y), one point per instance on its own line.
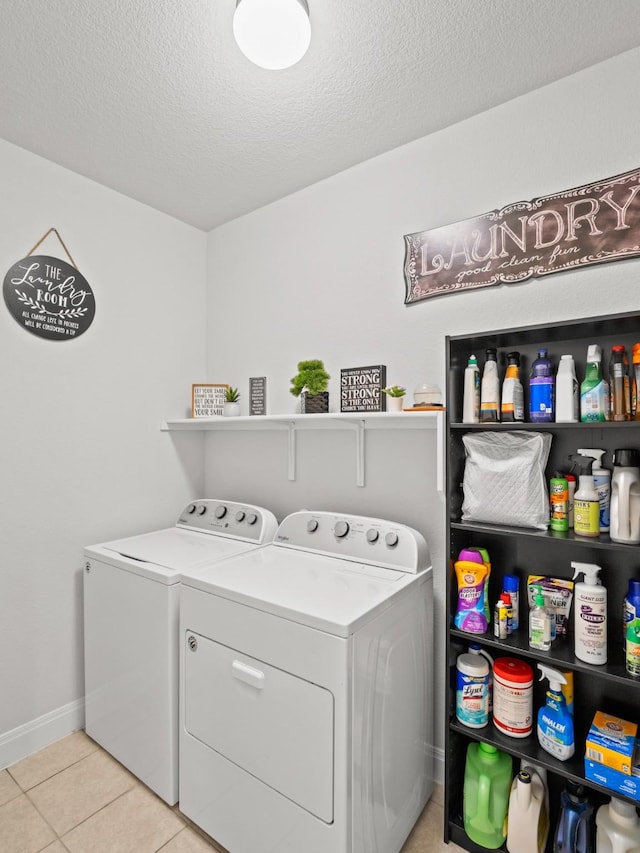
(586, 504)
(555, 723)
(590, 629)
(602, 485)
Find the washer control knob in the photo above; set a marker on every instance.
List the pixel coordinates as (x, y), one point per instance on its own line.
(221, 511)
(312, 525)
(372, 535)
(252, 518)
(341, 529)
(240, 515)
(202, 509)
(391, 539)
(191, 509)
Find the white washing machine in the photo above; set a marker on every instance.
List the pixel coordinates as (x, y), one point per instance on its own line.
(306, 672)
(131, 631)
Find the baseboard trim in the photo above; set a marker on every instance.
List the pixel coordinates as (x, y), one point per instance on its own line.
(30, 737)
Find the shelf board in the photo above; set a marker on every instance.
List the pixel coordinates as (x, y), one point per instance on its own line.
(602, 541)
(547, 427)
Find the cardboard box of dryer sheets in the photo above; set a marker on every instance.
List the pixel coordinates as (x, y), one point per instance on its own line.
(613, 779)
(611, 742)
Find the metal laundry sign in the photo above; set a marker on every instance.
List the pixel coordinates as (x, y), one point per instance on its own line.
(592, 224)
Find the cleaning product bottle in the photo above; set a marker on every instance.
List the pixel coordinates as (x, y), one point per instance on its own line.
(471, 393)
(511, 584)
(576, 828)
(512, 406)
(602, 485)
(485, 795)
(476, 649)
(625, 497)
(555, 723)
(590, 608)
(500, 620)
(617, 828)
(484, 554)
(619, 384)
(505, 598)
(528, 824)
(472, 690)
(490, 389)
(635, 382)
(559, 499)
(632, 648)
(471, 573)
(586, 504)
(567, 392)
(539, 624)
(542, 390)
(594, 390)
(630, 606)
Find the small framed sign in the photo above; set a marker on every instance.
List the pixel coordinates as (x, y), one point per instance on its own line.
(258, 395)
(361, 389)
(207, 400)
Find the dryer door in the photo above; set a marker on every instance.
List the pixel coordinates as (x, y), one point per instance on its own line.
(274, 725)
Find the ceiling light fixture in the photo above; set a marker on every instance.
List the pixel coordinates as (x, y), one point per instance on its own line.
(273, 34)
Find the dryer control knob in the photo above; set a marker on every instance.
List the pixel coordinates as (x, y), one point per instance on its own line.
(191, 509)
(372, 535)
(240, 515)
(391, 539)
(221, 511)
(202, 509)
(341, 529)
(312, 525)
(252, 518)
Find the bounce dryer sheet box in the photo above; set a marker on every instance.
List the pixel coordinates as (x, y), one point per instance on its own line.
(613, 779)
(611, 742)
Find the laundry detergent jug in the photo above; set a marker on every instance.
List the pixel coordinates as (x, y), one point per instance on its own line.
(576, 829)
(487, 785)
(617, 828)
(625, 497)
(528, 825)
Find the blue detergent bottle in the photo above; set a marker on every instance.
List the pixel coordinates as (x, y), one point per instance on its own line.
(542, 390)
(576, 829)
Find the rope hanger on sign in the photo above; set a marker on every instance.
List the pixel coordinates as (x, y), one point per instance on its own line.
(44, 237)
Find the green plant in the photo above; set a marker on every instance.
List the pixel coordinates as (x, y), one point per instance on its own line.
(395, 391)
(311, 376)
(231, 394)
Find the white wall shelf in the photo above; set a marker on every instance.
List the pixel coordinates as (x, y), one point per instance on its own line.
(357, 422)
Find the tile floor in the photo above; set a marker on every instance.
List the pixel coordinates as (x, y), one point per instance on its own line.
(72, 797)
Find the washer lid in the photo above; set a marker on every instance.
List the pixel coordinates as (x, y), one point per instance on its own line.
(331, 594)
(164, 554)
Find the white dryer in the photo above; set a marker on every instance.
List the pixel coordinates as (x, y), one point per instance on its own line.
(131, 631)
(307, 689)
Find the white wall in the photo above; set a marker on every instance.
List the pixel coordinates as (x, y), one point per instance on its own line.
(319, 275)
(82, 456)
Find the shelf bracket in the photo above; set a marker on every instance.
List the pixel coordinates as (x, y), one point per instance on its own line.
(292, 451)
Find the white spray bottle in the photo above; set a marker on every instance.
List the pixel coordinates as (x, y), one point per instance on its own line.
(602, 485)
(590, 608)
(555, 723)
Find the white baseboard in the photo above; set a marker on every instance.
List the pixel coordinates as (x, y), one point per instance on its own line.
(438, 766)
(35, 735)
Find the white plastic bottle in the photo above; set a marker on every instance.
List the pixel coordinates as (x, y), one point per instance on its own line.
(590, 608)
(471, 393)
(567, 392)
(528, 824)
(602, 485)
(617, 828)
(490, 389)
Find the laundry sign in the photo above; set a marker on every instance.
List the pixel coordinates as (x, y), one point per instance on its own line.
(48, 296)
(592, 224)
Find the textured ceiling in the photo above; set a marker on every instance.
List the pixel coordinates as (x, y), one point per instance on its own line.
(154, 99)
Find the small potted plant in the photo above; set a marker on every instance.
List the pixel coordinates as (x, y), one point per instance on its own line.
(395, 395)
(231, 404)
(310, 384)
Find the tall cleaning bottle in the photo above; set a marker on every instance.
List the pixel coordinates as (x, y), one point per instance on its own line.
(471, 573)
(586, 503)
(490, 389)
(485, 796)
(594, 390)
(625, 497)
(555, 723)
(471, 394)
(617, 828)
(619, 384)
(590, 608)
(567, 392)
(601, 483)
(576, 828)
(542, 390)
(512, 405)
(528, 824)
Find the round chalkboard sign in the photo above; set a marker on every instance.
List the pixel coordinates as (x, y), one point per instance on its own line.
(49, 297)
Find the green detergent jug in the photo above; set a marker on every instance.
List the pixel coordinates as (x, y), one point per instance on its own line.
(487, 785)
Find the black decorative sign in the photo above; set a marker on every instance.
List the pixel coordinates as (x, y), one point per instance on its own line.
(49, 297)
(361, 389)
(572, 229)
(258, 395)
